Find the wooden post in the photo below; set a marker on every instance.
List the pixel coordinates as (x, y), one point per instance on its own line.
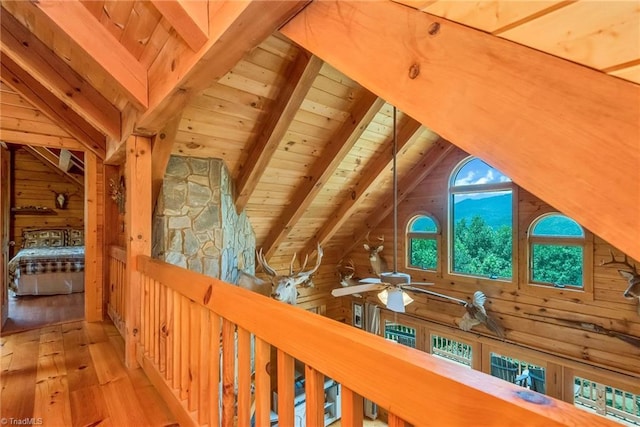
(93, 272)
(138, 225)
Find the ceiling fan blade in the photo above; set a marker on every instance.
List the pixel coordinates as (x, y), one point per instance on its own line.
(421, 284)
(349, 290)
(435, 294)
(370, 280)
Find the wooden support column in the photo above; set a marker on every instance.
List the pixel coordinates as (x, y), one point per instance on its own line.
(138, 240)
(93, 277)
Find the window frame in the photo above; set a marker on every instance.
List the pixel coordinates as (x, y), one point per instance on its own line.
(481, 188)
(437, 237)
(547, 289)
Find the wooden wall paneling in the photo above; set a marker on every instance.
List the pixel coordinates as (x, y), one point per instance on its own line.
(564, 126)
(138, 225)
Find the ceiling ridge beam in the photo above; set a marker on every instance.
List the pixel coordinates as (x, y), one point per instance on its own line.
(188, 18)
(414, 177)
(298, 80)
(50, 105)
(336, 150)
(18, 43)
(77, 22)
(407, 135)
(178, 73)
(561, 131)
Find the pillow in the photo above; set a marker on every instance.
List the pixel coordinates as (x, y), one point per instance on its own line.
(75, 237)
(53, 237)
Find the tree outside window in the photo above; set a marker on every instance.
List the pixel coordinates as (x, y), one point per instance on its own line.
(423, 234)
(481, 218)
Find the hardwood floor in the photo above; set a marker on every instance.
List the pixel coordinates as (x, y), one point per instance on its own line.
(72, 374)
(30, 312)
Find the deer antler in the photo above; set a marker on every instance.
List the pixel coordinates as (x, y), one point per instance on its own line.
(263, 262)
(625, 262)
(315, 268)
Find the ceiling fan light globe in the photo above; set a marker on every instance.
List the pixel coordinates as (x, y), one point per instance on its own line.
(395, 299)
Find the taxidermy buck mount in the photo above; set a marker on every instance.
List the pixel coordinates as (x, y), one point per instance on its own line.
(378, 263)
(280, 287)
(632, 276)
(62, 199)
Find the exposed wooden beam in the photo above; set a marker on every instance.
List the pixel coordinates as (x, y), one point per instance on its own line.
(407, 133)
(561, 131)
(40, 97)
(188, 18)
(299, 78)
(418, 173)
(33, 56)
(64, 162)
(30, 138)
(72, 18)
(178, 73)
(339, 146)
(160, 153)
(51, 159)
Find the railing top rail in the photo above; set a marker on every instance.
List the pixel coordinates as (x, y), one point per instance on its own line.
(118, 252)
(411, 384)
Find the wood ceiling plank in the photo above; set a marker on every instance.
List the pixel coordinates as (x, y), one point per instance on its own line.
(77, 22)
(418, 173)
(178, 74)
(143, 20)
(299, 78)
(35, 93)
(339, 145)
(188, 18)
(408, 131)
(38, 60)
(539, 119)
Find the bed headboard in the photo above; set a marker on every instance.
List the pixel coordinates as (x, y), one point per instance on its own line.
(52, 237)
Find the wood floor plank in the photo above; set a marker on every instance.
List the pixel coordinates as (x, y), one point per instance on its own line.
(123, 404)
(105, 359)
(88, 415)
(81, 372)
(18, 383)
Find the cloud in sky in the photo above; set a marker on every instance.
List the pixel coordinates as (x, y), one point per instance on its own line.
(477, 172)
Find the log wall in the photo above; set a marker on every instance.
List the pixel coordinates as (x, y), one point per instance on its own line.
(549, 320)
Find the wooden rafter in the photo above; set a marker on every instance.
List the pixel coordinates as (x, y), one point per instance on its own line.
(51, 159)
(39, 61)
(178, 73)
(432, 158)
(188, 18)
(87, 34)
(340, 145)
(299, 78)
(40, 97)
(407, 133)
(160, 153)
(33, 139)
(539, 119)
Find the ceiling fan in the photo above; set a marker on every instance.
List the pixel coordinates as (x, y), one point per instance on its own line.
(394, 284)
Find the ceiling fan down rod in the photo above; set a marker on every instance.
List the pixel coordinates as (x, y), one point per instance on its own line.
(395, 191)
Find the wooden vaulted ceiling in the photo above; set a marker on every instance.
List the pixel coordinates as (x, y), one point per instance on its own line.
(296, 97)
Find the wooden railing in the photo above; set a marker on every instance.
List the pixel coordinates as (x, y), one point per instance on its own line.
(192, 324)
(117, 287)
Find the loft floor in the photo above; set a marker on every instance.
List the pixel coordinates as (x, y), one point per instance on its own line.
(73, 374)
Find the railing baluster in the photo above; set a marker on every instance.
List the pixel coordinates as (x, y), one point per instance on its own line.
(194, 355)
(146, 315)
(228, 373)
(263, 383)
(314, 390)
(152, 312)
(156, 323)
(395, 421)
(214, 372)
(244, 378)
(184, 349)
(207, 362)
(352, 408)
(286, 388)
(177, 340)
(168, 372)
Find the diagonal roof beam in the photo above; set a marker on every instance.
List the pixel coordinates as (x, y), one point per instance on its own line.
(407, 133)
(38, 95)
(33, 56)
(178, 73)
(299, 78)
(188, 18)
(525, 112)
(414, 177)
(51, 159)
(337, 149)
(90, 36)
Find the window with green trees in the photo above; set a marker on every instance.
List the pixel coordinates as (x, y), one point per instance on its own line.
(481, 218)
(423, 234)
(556, 251)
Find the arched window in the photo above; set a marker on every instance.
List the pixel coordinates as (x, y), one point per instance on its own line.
(556, 251)
(481, 213)
(423, 235)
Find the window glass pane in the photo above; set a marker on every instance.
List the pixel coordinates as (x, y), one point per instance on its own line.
(423, 224)
(556, 264)
(557, 225)
(518, 372)
(476, 172)
(449, 349)
(399, 333)
(424, 253)
(482, 233)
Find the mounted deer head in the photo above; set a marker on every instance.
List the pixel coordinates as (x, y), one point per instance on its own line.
(285, 286)
(61, 199)
(378, 263)
(632, 276)
(346, 273)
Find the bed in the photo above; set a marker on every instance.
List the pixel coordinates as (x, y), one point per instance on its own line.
(50, 262)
